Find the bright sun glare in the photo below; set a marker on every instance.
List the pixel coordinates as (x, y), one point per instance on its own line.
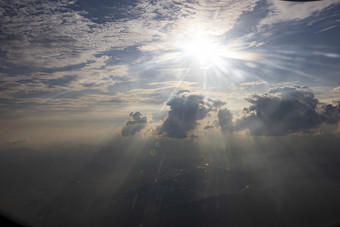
(209, 52)
(202, 49)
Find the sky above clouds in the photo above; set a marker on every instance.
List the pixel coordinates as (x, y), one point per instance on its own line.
(188, 75)
(81, 57)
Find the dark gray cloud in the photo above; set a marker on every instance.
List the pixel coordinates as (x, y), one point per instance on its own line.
(329, 113)
(281, 111)
(225, 118)
(286, 110)
(133, 126)
(184, 113)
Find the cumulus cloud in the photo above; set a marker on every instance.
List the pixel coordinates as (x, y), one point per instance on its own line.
(286, 110)
(330, 114)
(133, 126)
(225, 118)
(185, 112)
(281, 111)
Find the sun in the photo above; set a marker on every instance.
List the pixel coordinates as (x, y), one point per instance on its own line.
(203, 50)
(206, 50)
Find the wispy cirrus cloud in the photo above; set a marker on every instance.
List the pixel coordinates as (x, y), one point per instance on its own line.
(68, 47)
(284, 11)
(55, 35)
(58, 33)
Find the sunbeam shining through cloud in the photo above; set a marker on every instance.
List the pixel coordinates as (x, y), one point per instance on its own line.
(170, 113)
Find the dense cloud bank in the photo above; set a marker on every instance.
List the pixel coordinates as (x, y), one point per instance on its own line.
(286, 110)
(137, 123)
(281, 111)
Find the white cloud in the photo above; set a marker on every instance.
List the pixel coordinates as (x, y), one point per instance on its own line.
(47, 34)
(95, 75)
(284, 11)
(50, 34)
(336, 89)
(253, 83)
(196, 17)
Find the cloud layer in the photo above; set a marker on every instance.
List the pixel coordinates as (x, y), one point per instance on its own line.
(70, 54)
(281, 111)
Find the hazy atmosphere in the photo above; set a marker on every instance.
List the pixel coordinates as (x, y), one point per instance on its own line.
(170, 113)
